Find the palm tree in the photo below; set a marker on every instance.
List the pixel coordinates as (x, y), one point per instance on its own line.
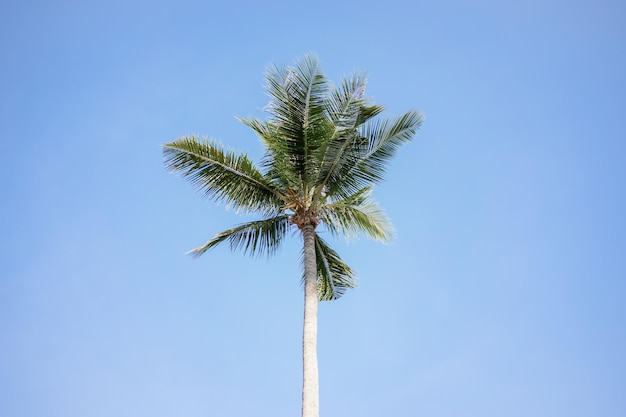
(325, 150)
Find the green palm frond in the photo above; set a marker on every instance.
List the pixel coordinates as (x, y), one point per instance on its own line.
(345, 103)
(380, 139)
(384, 139)
(261, 237)
(222, 175)
(278, 166)
(338, 153)
(369, 112)
(334, 276)
(297, 108)
(345, 106)
(355, 215)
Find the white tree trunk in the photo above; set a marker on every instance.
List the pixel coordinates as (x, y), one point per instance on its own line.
(310, 386)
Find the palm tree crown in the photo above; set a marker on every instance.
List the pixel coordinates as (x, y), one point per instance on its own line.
(325, 150)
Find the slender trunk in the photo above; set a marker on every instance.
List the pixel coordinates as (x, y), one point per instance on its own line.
(310, 386)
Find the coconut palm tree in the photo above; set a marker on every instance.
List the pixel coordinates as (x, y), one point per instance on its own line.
(324, 151)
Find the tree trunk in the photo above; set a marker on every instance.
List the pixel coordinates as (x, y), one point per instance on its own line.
(310, 386)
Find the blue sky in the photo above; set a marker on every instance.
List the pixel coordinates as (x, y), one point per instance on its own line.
(502, 294)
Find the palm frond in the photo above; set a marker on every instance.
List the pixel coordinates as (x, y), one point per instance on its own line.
(341, 151)
(356, 215)
(297, 106)
(369, 112)
(345, 103)
(384, 138)
(334, 276)
(222, 175)
(261, 237)
(344, 107)
(367, 163)
(278, 166)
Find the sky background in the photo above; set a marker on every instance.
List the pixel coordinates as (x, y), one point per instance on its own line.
(501, 295)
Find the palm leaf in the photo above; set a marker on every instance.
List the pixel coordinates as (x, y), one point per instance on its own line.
(384, 138)
(278, 166)
(261, 237)
(369, 156)
(222, 175)
(357, 215)
(297, 106)
(345, 103)
(344, 108)
(334, 276)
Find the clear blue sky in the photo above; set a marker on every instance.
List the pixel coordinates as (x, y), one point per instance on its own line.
(502, 294)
